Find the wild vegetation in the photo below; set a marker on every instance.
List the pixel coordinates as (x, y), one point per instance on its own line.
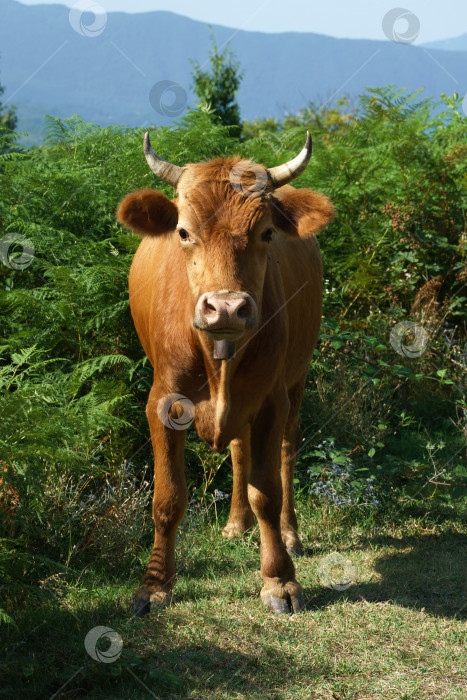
(217, 88)
(8, 121)
(382, 471)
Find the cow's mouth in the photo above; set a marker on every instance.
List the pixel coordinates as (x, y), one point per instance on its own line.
(225, 333)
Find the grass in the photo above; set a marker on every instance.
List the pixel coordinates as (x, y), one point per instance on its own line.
(398, 632)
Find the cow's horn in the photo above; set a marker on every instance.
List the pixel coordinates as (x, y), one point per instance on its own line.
(282, 174)
(168, 172)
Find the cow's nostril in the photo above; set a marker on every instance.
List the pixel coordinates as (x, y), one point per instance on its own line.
(243, 311)
(209, 308)
(225, 311)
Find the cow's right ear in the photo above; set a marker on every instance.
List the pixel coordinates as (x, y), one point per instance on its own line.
(148, 212)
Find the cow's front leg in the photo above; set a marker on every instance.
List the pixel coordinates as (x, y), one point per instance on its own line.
(169, 506)
(241, 517)
(290, 447)
(281, 592)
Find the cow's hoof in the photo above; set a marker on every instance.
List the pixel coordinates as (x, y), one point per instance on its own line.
(284, 599)
(295, 551)
(145, 601)
(236, 529)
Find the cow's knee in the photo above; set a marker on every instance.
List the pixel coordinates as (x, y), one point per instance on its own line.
(266, 506)
(168, 510)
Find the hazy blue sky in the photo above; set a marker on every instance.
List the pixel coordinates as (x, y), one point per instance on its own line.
(341, 18)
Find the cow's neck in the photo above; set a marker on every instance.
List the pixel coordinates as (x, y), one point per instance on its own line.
(217, 415)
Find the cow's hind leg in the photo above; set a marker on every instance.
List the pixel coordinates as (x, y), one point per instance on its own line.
(281, 592)
(241, 516)
(289, 454)
(169, 506)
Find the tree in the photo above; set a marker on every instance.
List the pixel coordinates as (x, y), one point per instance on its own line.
(8, 122)
(328, 120)
(218, 87)
(8, 118)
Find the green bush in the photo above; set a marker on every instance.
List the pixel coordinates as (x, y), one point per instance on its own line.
(74, 379)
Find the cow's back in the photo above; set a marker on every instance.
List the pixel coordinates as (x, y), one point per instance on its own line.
(299, 261)
(301, 272)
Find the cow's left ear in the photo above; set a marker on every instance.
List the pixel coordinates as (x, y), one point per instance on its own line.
(302, 212)
(148, 212)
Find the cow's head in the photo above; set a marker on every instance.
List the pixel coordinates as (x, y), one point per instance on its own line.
(226, 215)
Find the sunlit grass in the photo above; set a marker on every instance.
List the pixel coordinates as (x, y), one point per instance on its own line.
(397, 632)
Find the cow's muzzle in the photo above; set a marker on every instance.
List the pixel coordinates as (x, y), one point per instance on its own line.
(225, 315)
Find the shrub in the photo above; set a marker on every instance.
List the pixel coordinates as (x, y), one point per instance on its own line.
(74, 378)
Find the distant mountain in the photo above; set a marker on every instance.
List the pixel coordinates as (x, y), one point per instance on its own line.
(459, 43)
(49, 67)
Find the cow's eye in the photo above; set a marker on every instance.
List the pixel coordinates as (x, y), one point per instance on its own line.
(184, 235)
(267, 235)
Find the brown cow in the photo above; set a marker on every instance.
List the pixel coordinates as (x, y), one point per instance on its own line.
(225, 292)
